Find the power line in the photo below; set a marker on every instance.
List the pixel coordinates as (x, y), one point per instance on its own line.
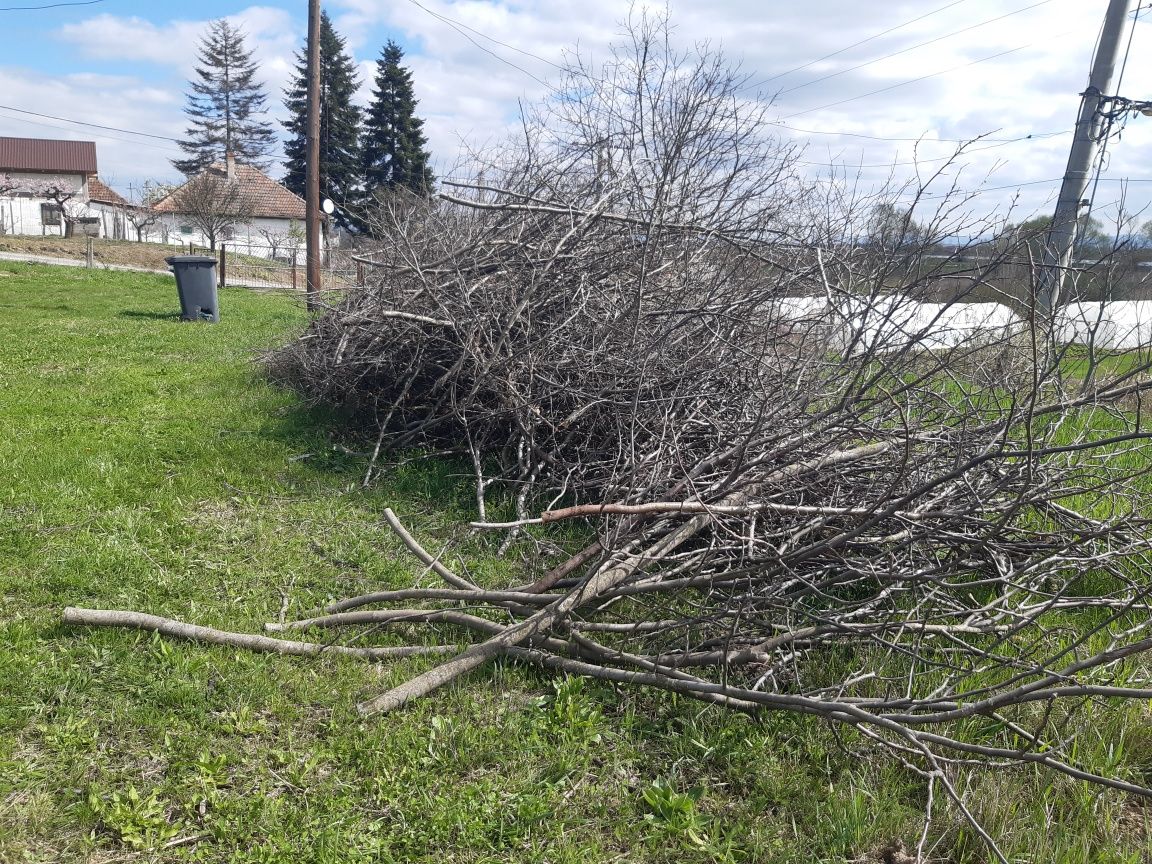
(914, 80)
(981, 190)
(85, 123)
(458, 28)
(858, 44)
(1017, 185)
(912, 48)
(49, 6)
(962, 152)
(921, 139)
(494, 40)
(96, 135)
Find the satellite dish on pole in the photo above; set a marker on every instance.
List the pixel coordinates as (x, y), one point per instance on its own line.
(328, 207)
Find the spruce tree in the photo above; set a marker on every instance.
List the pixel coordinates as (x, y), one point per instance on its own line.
(225, 104)
(339, 125)
(394, 142)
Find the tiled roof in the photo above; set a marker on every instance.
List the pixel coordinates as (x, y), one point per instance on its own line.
(41, 154)
(268, 198)
(102, 194)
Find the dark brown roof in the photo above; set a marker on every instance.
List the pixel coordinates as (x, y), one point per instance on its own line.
(268, 198)
(41, 154)
(102, 194)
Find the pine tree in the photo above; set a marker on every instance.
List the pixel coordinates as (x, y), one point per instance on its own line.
(225, 104)
(339, 125)
(394, 142)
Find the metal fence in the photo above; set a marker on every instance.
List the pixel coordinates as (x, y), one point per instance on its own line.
(252, 267)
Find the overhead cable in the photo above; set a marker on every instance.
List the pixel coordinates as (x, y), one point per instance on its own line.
(858, 44)
(85, 123)
(912, 48)
(913, 80)
(48, 6)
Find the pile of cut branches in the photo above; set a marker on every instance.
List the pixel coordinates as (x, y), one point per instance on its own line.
(804, 490)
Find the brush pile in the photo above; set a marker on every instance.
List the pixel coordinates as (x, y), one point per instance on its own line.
(799, 493)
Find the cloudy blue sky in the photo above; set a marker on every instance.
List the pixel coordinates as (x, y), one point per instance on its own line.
(1006, 69)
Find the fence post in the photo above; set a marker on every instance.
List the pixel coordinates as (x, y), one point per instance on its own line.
(293, 270)
(223, 264)
(88, 251)
(360, 273)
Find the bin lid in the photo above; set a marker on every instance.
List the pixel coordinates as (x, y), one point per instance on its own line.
(189, 259)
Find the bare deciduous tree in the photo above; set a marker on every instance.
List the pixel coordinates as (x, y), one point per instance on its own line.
(213, 203)
(141, 213)
(8, 184)
(275, 240)
(63, 195)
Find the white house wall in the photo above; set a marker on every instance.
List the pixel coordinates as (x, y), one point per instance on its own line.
(246, 239)
(113, 222)
(20, 214)
(893, 323)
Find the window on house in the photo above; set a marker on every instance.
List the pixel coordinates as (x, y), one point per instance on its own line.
(227, 233)
(50, 214)
(185, 230)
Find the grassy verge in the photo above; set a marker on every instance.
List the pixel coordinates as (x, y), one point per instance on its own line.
(148, 466)
(105, 251)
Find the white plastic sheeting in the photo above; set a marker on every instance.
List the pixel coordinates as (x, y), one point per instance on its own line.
(1118, 325)
(896, 323)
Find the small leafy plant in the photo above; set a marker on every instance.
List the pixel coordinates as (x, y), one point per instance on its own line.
(137, 820)
(573, 712)
(675, 812)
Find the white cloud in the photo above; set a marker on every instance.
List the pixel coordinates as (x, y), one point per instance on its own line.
(471, 72)
(105, 100)
(271, 34)
(109, 37)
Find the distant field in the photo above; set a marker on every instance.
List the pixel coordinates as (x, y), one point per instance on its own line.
(149, 466)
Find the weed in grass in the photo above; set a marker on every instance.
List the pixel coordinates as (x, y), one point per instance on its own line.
(675, 812)
(675, 816)
(137, 820)
(575, 716)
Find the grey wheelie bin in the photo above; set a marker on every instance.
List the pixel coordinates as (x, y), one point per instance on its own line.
(196, 285)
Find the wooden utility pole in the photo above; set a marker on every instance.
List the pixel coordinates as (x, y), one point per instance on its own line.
(1062, 234)
(312, 166)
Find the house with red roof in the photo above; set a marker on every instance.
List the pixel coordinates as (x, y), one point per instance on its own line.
(274, 227)
(112, 208)
(45, 186)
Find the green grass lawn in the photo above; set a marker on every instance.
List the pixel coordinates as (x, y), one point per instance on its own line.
(148, 466)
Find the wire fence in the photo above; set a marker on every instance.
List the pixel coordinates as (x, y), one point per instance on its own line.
(243, 266)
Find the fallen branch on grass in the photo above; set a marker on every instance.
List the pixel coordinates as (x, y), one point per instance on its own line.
(248, 641)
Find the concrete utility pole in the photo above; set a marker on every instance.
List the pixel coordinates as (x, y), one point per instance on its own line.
(312, 164)
(1062, 234)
